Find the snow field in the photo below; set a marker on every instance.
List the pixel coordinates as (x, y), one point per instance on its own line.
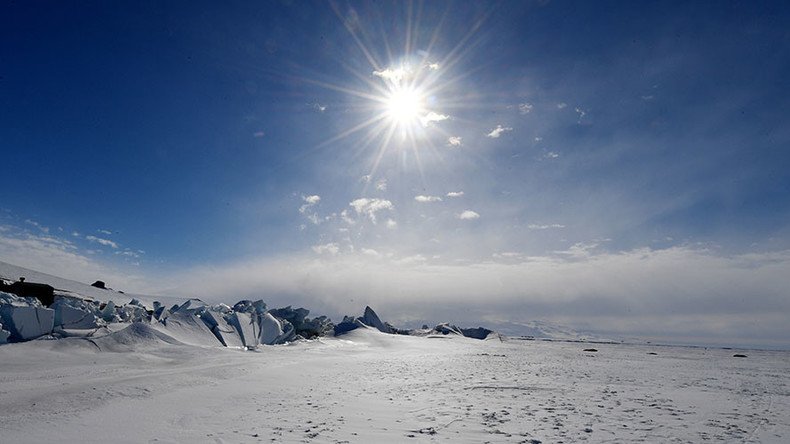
(141, 385)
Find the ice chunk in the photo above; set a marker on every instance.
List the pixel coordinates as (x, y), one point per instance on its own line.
(75, 314)
(247, 327)
(295, 316)
(193, 305)
(244, 306)
(226, 334)
(271, 329)
(349, 323)
(4, 335)
(370, 318)
(319, 326)
(26, 322)
(289, 333)
(187, 328)
(260, 306)
(109, 314)
(447, 329)
(160, 312)
(476, 333)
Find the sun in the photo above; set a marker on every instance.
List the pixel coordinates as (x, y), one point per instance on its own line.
(405, 106)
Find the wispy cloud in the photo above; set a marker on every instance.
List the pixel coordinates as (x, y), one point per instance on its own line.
(562, 105)
(468, 215)
(319, 107)
(101, 241)
(309, 202)
(433, 66)
(258, 134)
(305, 209)
(37, 225)
(369, 207)
(381, 184)
(496, 132)
(392, 224)
(105, 232)
(524, 108)
(454, 141)
(427, 199)
(544, 227)
(62, 257)
(330, 248)
(369, 252)
(551, 155)
(455, 194)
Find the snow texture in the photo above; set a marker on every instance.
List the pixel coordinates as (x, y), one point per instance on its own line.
(367, 386)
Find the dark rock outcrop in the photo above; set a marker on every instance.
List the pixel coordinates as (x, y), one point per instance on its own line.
(43, 292)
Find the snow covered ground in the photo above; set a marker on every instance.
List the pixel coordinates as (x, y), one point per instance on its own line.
(140, 385)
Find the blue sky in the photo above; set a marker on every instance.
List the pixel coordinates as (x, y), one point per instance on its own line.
(596, 163)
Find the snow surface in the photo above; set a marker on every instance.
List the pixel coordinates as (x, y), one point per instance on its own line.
(140, 384)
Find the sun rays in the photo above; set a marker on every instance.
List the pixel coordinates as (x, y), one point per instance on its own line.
(401, 101)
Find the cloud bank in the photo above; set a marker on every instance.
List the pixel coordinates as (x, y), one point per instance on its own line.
(675, 294)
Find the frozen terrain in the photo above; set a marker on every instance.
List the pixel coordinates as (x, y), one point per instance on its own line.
(140, 385)
(168, 377)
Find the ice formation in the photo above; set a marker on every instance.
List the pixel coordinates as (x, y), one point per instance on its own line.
(246, 325)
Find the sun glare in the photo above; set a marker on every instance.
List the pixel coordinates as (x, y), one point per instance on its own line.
(405, 106)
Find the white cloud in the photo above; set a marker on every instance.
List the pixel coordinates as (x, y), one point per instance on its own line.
(105, 242)
(330, 248)
(454, 141)
(427, 199)
(551, 155)
(561, 105)
(369, 252)
(129, 253)
(346, 218)
(433, 117)
(370, 207)
(538, 139)
(107, 232)
(468, 215)
(381, 184)
(391, 224)
(455, 194)
(433, 66)
(258, 134)
(524, 108)
(319, 107)
(544, 227)
(496, 132)
(312, 200)
(581, 113)
(309, 202)
(392, 75)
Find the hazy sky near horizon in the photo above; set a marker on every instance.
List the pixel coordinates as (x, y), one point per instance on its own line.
(612, 165)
